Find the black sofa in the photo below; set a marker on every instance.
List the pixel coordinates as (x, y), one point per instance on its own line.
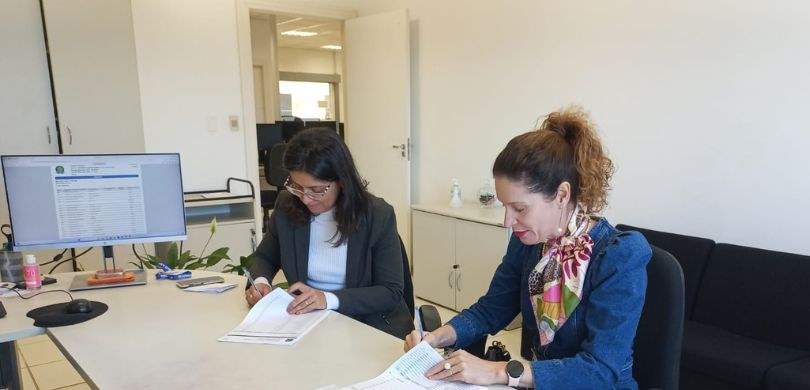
(747, 314)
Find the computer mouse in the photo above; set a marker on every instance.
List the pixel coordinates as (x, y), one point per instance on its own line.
(80, 305)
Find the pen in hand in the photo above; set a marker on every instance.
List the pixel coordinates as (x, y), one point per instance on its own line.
(252, 283)
(419, 324)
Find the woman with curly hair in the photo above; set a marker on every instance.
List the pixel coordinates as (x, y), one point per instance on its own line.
(578, 282)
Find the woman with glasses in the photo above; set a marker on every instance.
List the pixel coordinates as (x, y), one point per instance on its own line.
(336, 243)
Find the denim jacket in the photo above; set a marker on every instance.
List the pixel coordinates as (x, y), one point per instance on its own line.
(594, 347)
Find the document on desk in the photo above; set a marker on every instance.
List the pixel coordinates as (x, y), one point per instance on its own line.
(408, 372)
(269, 323)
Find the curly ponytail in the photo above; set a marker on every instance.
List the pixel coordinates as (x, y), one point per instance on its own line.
(564, 148)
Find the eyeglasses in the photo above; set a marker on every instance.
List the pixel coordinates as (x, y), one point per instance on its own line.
(297, 191)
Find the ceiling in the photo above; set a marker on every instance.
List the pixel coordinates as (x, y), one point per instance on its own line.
(328, 32)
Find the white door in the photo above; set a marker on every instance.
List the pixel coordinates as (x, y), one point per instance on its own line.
(378, 112)
(95, 75)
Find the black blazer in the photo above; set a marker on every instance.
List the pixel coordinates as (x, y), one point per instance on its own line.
(374, 271)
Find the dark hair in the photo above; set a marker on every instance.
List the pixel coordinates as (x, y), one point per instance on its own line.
(564, 148)
(321, 153)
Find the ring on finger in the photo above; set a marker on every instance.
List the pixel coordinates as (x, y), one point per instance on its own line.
(448, 366)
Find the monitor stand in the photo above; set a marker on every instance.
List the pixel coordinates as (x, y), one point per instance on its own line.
(108, 277)
(113, 272)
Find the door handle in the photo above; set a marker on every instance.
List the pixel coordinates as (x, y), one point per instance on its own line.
(458, 282)
(450, 279)
(400, 146)
(48, 133)
(70, 135)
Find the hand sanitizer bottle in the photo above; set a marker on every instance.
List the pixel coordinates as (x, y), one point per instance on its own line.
(31, 273)
(455, 194)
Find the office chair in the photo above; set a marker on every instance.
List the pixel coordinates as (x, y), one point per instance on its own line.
(431, 320)
(657, 346)
(274, 174)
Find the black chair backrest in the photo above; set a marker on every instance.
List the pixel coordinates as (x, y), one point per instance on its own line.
(657, 346)
(274, 171)
(406, 270)
(691, 252)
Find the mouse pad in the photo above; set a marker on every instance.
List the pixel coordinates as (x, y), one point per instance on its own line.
(56, 315)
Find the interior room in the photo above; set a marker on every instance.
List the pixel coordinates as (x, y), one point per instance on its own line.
(700, 105)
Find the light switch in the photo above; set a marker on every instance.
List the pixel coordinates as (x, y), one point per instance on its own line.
(212, 124)
(234, 121)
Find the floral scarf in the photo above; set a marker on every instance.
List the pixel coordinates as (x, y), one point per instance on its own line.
(555, 283)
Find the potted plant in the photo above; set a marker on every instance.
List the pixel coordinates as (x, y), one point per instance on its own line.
(177, 258)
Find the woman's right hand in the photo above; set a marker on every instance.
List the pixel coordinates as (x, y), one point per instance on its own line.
(413, 338)
(251, 296)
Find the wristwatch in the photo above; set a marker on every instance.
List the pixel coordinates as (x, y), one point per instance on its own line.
(514, 370)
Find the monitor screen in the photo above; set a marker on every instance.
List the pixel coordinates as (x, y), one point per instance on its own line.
(68, 201)
(267, 135)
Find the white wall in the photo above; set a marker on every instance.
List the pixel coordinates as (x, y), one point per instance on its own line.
(188, 65)
(702, 104)
(306, 61)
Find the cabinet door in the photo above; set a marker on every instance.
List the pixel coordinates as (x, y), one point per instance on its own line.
(433, 257)
(26, 111)
(479, 250)
(95, 75)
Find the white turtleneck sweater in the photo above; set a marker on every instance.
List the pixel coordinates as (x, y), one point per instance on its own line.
(326, 270)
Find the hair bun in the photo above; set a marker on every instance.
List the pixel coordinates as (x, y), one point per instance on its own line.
(567, 123)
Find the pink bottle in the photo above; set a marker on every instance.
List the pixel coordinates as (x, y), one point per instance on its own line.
(31, 273)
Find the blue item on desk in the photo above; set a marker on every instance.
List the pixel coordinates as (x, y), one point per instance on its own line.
(170, 274)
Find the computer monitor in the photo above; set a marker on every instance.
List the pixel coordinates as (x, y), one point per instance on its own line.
(68, 201)
(268, 134)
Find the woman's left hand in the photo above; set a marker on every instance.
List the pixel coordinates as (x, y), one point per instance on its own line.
(308, 299)
(463, 367)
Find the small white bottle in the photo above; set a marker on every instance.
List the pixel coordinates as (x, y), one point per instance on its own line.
(455, 194)
(31, 273)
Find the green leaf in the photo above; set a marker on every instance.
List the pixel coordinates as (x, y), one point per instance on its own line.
(171, 256)
(184, 258)
(194, 265)
(216, 256)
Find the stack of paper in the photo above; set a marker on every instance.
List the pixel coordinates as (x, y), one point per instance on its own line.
(269, 323)
(408, 372)
(212, 288)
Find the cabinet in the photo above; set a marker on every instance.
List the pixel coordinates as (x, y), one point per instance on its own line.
(95, 75)
(235, 222)
(456, 252)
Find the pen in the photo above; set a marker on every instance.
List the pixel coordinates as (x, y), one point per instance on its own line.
(418, 323)
(252, 283)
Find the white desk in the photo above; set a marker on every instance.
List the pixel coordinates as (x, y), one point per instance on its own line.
(160, 337)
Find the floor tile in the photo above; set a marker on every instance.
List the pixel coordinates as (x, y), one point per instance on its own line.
(34, 339)
(40, 353)
(26, 381)
(80, 386)
(55, 375)
(20, 360)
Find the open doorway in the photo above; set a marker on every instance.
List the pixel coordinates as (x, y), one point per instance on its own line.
(373, 65)
(297, 69)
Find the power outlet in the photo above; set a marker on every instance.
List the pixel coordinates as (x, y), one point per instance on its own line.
(233, 120)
